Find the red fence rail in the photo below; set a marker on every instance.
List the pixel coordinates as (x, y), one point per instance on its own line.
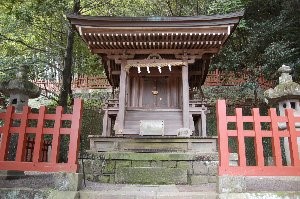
(260, 169)
(27, 124)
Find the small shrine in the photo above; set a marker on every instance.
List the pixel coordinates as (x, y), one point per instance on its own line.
(156, 64)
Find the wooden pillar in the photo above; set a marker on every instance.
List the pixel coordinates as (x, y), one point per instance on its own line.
(203, 124)
(122, 96)
(185, 95)
(104, 123)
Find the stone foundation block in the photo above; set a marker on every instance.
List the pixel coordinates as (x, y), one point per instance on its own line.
(199, 179)
(231, 184)
(120, 163)
(140, 164)
(156, 163)
(169, 164)
(68, 181)
(200, 168)
(104, 179)
(213, 169)
(109, 167)
(212, 179)
(264, 195)
(150, 175)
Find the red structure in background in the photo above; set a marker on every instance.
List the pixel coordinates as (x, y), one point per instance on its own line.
(81, 82)
(219, 78)
(39, 131)
(260, 169)
(214, 78)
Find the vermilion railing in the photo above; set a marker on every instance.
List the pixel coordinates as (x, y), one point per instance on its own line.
(260, 169)
(26, 124)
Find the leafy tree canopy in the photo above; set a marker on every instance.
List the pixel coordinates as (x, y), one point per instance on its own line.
(34, 32)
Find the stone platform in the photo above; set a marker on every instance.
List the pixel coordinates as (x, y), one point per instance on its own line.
(154, 144)
(151, 168)
(152, 160)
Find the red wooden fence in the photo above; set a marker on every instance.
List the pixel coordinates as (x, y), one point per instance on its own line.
(260, 169)
(39, 131)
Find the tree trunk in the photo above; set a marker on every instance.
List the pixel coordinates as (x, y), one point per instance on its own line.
(66, 91)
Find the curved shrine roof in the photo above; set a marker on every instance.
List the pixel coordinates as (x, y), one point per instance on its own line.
(198, 37)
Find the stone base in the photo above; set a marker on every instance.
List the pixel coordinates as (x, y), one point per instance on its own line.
(151, 168)
(9, 175)
(243, 184)
(12, 193)
(153, 144)
(264, 195)
(68, 181)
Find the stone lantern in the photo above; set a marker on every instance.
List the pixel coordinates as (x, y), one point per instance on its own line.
(20, 90)
(286, 95)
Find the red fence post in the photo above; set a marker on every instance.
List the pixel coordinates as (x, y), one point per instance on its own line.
(240, 137)
(39, 135)
(6, 134)
(223, 136)
(275, 138)
(56, 135)
(293, 144)
(75, 130)
(259, 151)
(22, 135)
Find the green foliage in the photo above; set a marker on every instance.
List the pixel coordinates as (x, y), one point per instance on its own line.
(92, 116)
(265, 39)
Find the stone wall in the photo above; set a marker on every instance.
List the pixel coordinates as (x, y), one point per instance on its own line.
(151, 168)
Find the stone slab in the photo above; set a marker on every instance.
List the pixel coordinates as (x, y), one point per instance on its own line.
(162, 156)
(151, 175)
(158, 143)
(266, 195)
(199, 179)
(241, 184)
(26, 193)
(68, 181)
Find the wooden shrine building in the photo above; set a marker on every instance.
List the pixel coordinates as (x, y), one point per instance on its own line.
(155, 63)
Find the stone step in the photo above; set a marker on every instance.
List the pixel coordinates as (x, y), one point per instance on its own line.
(146, 195)
(151, 175)
(126, 191)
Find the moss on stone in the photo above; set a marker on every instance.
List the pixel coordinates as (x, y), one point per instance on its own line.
(169, 164)
(151, 175)
(109, 166)
(120, 164)
(141, 164)
(156, 163)
(104, 179)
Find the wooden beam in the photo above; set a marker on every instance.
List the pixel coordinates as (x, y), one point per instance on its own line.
(158, 61)
(185, 96)
(112, 52)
